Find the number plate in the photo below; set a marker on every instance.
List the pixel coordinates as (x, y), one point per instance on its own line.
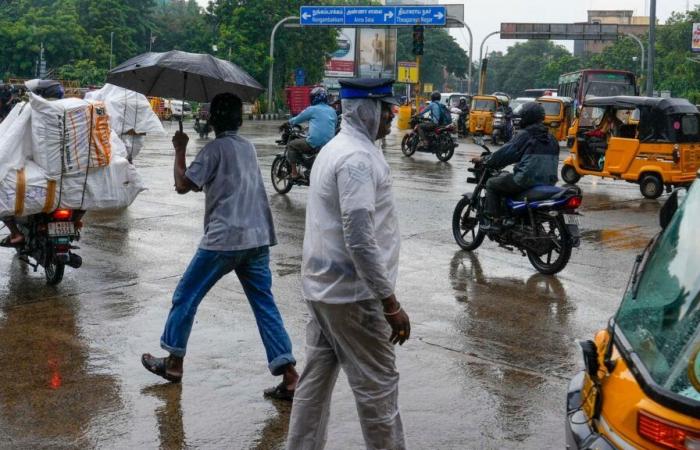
(571, 219)
(61, 229)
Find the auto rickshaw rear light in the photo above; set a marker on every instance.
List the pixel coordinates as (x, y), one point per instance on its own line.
(62, 214)
(574, 202)
(666, 434)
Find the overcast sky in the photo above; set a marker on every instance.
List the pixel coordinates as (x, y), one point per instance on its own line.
(485, 16)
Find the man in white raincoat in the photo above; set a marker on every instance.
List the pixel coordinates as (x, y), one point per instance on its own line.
(349, 270)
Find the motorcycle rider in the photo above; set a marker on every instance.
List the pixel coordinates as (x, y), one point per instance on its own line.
(435, 109)
(504, 107)
(535, 153)
(322, 120)
(463, 106)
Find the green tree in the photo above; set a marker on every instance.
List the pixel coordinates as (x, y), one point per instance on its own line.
(84, 71)
(182, 25)
(244, 27)
(442, 55)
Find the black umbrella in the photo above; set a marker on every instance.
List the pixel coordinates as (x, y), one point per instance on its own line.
(191, 76)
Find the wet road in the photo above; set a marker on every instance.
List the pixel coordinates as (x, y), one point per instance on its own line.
(492, 349)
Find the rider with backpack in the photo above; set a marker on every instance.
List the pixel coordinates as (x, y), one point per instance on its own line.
(439, 117)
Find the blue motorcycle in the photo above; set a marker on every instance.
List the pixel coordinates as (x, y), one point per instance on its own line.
(541, 222)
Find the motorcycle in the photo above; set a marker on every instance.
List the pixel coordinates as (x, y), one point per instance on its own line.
(281, 167)
(48, 240)
(542, 222)
(440, 142)
(460, 120)
(201, 123)
(502, 128)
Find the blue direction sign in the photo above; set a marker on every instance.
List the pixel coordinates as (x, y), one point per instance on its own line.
(368, 16)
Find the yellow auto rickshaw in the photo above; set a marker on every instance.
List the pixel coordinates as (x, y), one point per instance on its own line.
(481, 114)
(654, 142)
(558, 114)
(641, 383)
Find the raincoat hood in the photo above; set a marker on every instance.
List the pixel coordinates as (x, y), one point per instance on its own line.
(361, 117)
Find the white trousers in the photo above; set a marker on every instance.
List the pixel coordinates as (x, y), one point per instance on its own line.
(354, 337)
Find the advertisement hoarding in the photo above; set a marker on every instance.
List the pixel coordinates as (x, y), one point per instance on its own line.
(377, 52)
(342, 61)
(695, 42)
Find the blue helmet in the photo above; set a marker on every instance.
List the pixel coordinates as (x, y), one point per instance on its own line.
(318, 95)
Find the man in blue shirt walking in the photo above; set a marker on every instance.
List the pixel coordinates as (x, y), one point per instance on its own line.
(322, 120)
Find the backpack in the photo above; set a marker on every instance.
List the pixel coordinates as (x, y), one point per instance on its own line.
(445, 116)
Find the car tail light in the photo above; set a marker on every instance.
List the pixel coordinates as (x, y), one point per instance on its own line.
(62, 214)
(665, 433)
(574, 202)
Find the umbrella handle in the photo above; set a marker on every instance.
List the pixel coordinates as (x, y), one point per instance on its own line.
(180, 124)
(184, 91)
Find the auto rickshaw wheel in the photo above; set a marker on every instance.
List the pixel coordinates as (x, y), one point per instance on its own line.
(569, 174)
(651, 186)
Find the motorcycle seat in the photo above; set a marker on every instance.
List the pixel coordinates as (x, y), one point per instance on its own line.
(544, 192)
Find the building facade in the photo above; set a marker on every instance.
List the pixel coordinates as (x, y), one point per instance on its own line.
(629, 23)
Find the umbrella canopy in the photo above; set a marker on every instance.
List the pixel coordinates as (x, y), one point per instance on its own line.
(188, 76)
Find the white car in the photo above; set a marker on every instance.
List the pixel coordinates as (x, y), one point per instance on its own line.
(178, 108)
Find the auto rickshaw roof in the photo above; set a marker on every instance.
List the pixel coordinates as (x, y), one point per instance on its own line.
(665, 105)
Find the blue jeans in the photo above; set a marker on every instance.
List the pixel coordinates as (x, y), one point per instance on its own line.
(253, 270)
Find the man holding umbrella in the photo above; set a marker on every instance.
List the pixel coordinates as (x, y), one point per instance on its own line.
(349, 270)
(238, 231)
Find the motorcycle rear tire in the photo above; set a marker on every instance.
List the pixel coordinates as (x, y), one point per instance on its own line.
(53, 271)
(463, 239)
(280, 175)
(548, 267)
(408, 144)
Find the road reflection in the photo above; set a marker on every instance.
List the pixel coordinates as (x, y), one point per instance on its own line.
(515, 328)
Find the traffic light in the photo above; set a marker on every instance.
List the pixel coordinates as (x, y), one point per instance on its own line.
(418, 40)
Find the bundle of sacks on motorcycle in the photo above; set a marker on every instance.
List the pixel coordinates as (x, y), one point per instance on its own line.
(67, 153)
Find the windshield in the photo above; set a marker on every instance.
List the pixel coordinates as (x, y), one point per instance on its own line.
(484, 105)
(661, 321)
(590, 116)
(604, 89)
(551, 108)
(518, 103)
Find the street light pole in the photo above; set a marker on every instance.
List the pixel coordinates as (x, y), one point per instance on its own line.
(481, 52)
(111, 48)
(272, 57)
(471, 54)
(652, 48)
(641, 47)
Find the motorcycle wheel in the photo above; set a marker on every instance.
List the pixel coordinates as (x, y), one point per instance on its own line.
(53, 271)
(408, 144)
(545, 264)
(465, 226)
(494, 138)
(280, 174)
(445, 150)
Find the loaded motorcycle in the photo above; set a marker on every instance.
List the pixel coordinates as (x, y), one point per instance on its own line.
(540, 222)
(440, 141)
(48, 240)
(281, 167)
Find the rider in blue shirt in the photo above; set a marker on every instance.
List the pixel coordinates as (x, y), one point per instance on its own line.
(322, 120)
(433, 109)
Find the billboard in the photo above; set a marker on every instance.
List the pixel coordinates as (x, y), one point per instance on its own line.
(695, 42)
(377, 52)
(342, 61)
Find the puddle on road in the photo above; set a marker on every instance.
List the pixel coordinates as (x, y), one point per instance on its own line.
(624, 238)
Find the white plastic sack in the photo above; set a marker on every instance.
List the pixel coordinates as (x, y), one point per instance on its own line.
(128, 110)
(69, 135)
(15, 139)
(36, 192)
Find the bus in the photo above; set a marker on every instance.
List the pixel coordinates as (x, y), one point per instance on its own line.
(587, 83)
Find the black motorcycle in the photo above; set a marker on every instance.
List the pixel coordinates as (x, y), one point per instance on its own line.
(440, 142)
(281, 167)
(201, 122)
(48, 240)
(542, 222)
(502, 127)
